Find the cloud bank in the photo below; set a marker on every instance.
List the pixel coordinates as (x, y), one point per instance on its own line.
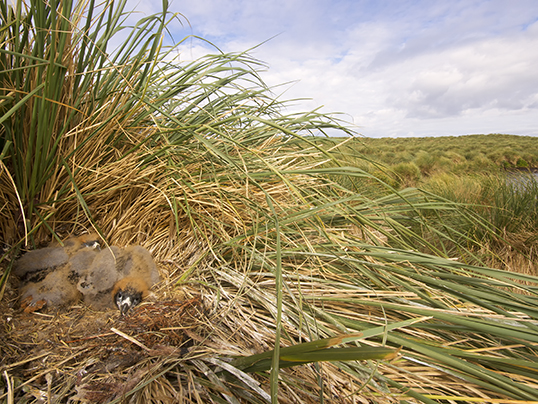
(394, 68)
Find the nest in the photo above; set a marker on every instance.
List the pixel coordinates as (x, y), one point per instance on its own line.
(99, 355)
(170, 348)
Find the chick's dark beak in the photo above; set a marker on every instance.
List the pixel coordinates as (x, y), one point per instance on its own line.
(123, 302)
(125, 306)
(126, 301)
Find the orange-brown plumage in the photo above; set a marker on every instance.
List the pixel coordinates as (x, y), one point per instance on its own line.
(60, 275)
(49, 275)
(74, 244)
(138, 274)
(128, 292)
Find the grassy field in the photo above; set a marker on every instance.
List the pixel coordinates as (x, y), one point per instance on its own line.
(296, 269)
(489, 176)
(455, 153)
(413, 161)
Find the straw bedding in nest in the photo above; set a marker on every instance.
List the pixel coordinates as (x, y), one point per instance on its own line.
(94, 353)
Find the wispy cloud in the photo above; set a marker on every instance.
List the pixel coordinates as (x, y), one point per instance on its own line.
(396, 68)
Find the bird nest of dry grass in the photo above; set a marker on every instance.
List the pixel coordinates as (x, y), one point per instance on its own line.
(97, 354)
(174, 347)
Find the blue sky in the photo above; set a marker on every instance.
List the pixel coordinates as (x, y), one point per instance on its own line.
(394, 68)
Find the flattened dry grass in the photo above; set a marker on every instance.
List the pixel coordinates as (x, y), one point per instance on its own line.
(176, 345)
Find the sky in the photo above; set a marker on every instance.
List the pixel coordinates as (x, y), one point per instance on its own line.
(392, 68)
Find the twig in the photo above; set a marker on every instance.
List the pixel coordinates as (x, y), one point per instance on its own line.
(129, 338)
(9, 388)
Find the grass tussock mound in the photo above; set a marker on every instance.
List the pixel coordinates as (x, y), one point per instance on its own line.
(279, 284)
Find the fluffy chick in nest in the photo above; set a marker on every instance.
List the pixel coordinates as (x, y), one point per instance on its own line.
(61, 275)
(138, 273)
(49, 275)
(54, 256)
(118, 278)
(98, 278)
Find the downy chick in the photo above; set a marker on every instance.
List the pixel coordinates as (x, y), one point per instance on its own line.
(99, 278)
(47, 276)
(138, 273)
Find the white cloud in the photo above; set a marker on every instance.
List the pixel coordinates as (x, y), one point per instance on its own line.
(485, 74)
(395, 67)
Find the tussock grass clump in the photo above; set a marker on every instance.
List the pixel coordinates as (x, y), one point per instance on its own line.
(408, 173)
(508, 203)
(280, 284)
